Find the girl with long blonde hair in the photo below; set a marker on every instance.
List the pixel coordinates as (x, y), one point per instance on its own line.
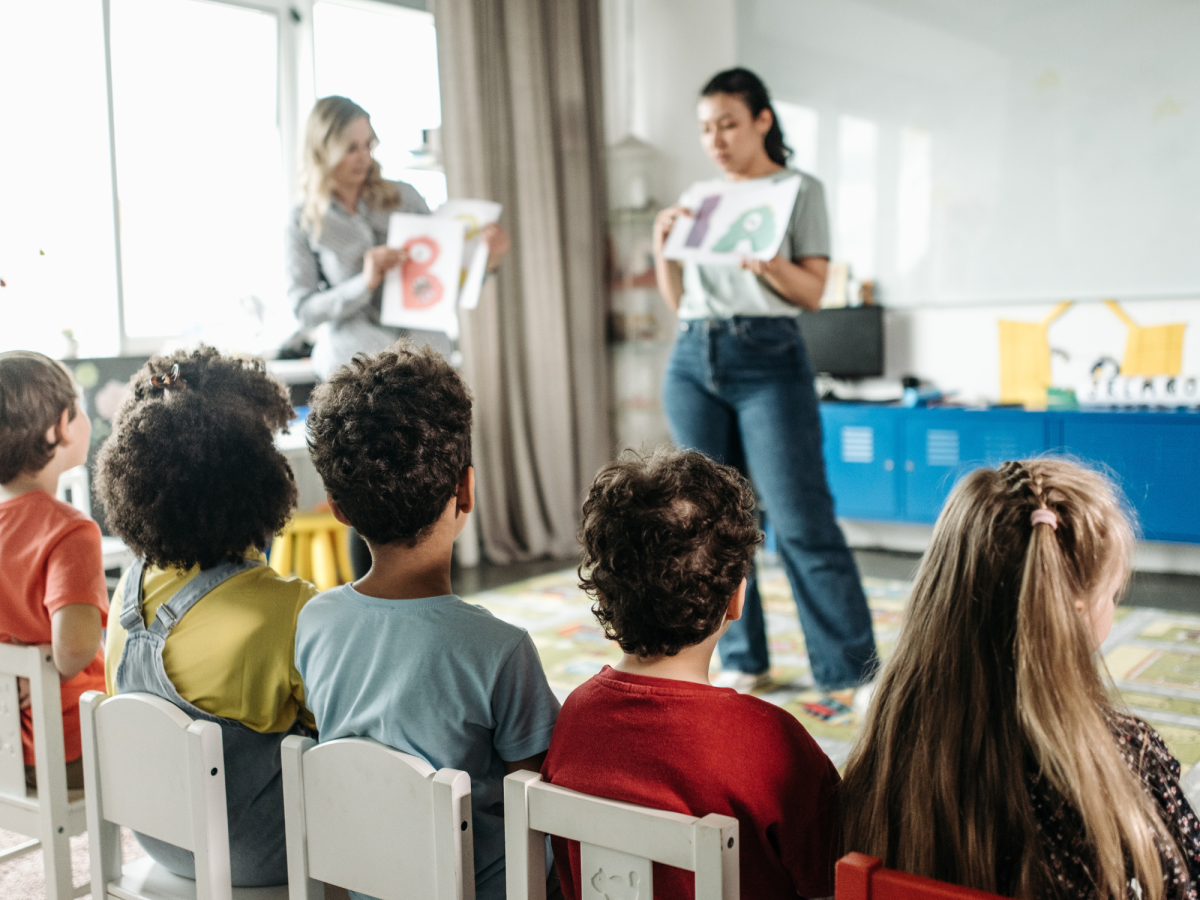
(994, 754)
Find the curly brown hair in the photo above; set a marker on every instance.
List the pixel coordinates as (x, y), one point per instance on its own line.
(390, 434)
(34, 391)
(190, 475)
(667, 538)
(209, 373)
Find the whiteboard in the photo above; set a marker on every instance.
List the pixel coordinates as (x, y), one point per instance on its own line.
(994, 151)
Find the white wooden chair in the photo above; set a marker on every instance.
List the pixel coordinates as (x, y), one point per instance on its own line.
(152, 768)
(368, 818)
(617, 843)
(50, 814)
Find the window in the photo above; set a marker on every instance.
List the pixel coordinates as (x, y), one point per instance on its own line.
(207, 104)
(56, 206)
(199, 170)
(385, 60)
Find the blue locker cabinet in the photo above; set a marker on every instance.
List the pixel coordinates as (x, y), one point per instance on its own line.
(862, 452)
(890, 463)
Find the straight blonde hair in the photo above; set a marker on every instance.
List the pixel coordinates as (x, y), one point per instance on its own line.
(324, 147)
(995, 673)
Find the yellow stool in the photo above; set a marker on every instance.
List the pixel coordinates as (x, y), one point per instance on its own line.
(316, 547)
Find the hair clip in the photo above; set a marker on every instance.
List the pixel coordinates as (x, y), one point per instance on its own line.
(170, 380)
(1044, 517)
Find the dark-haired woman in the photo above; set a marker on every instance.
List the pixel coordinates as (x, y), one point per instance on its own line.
(739, 389)
(191, 480)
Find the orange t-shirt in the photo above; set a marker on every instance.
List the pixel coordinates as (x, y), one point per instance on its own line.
(50, 558)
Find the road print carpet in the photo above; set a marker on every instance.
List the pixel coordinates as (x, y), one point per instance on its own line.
(1153, 655)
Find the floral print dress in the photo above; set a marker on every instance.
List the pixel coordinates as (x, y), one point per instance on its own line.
(1061, 830)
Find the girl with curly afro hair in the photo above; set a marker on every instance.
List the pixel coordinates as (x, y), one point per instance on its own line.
(191, 480)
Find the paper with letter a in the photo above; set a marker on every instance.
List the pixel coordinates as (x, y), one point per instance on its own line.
(474, 214)
(733, 220)
(422, 292)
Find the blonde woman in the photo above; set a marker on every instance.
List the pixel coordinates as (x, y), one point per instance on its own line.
(336, 247)
(994, 755)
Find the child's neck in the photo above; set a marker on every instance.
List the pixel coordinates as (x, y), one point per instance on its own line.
(409, 573)
(689, 664)
(44, 480)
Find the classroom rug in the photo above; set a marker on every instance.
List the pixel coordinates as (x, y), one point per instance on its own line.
(1153, 656)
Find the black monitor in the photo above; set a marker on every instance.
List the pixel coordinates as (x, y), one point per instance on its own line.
(845, 343)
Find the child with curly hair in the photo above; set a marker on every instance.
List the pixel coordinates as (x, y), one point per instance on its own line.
(667, 542)
(52, 590)
(191, 480)
(995, 754)
(429, 674)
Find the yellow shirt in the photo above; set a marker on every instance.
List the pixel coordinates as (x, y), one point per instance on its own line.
(233, 653)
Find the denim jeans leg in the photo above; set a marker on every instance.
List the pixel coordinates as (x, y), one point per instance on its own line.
(701, 421)
(781, 436)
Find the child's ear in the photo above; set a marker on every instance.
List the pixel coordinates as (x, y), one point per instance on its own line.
(337, 511)
(57, 432)
(466, 492)
(734, 611)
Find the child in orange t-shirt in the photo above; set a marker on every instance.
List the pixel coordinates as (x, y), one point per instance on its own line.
(53, 587)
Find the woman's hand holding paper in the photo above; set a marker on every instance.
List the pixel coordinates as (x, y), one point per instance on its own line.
(377, 261)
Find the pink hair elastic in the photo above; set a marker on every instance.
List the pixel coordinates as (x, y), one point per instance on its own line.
(1044, 517)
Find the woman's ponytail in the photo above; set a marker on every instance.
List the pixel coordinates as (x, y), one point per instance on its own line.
(745, 84)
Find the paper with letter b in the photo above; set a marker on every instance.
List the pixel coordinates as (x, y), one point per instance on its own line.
(422, 292)
(733, 220)
(474, 214)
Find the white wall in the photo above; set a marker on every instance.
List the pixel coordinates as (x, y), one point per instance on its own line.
(657, 55)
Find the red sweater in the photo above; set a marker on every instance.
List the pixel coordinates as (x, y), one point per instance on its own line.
(696, 749)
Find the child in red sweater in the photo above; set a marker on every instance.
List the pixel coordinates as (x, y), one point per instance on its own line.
(668, 540)
(52, 590)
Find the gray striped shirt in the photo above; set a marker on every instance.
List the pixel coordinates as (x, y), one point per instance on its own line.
(326, 286)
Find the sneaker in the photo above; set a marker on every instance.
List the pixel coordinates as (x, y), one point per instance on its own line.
(742, 682)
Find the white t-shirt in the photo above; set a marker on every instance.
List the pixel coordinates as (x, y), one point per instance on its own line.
(723, 291)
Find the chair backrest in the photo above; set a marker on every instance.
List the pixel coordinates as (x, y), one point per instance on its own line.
(365, 817)
(152, 768)
(861, 877)
(45, 699)
(617, 843)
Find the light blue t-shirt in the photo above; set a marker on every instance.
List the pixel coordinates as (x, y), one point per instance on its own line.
(438, 678)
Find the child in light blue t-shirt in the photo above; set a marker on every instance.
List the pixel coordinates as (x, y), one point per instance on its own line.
(396, 656)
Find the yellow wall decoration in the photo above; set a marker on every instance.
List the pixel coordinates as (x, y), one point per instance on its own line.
(1025, 360)
(1150, 350)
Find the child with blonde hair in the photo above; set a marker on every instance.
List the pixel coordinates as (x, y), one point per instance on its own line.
(994, 754)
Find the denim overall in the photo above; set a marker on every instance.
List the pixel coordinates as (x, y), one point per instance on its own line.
(253, 771)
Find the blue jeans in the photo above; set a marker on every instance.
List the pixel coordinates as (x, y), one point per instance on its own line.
(741, 392)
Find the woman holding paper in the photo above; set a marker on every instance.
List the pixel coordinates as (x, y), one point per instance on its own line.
(739, 387)
(337, 253)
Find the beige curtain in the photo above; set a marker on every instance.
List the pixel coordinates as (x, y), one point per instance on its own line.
(522, 124)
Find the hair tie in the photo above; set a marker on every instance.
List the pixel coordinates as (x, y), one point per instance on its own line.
(1044, 517)
(170, 380)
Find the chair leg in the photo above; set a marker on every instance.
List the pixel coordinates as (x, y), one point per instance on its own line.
(56, 855)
